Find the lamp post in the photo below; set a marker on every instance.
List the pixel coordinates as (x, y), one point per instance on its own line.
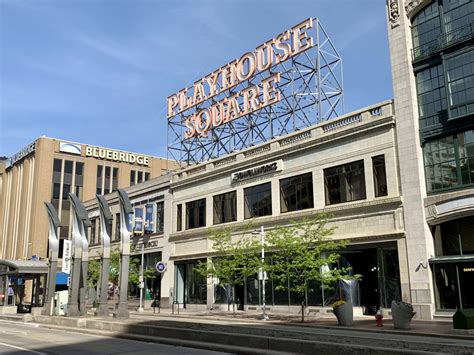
(140, 279)
(263, 273)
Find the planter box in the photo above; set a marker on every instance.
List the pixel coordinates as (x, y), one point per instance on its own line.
(345, 314)
(402, 313)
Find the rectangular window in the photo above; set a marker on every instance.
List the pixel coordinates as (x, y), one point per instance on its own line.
(345, 183)
(114, 179)
(296, 193)
(179, 218)
(139, 176)
(117, 227)
(99, 180)
(79, 179)
(92, 236)
(225, 207)
(196, 214)
(68, 167)
(132, 177)
(431, 93)
(57, 166)
(380, 176)
(147, 176)
(460, 78)
(160, 216)
(449, 161)
(258, 201)
(107, 180)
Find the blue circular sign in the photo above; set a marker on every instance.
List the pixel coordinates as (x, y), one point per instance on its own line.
(160, 267)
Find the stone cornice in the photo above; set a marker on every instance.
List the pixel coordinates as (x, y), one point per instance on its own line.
(413, 6)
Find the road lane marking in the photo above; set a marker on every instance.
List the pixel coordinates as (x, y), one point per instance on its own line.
(22, 349)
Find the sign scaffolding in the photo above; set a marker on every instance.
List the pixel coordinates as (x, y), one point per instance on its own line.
(288, 83)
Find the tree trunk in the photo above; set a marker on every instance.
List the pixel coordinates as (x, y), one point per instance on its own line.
(233, 299)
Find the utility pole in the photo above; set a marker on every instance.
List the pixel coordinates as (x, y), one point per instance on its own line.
(140, 309)
(263, 273)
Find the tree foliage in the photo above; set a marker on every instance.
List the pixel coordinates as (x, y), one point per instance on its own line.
(303, 253)
(234, 260)
(114, 270)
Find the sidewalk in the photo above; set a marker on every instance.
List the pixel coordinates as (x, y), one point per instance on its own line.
(366, 323)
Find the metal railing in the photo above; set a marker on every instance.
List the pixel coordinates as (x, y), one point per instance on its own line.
(444, 41)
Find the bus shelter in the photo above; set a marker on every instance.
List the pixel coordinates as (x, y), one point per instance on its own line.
(22, 285)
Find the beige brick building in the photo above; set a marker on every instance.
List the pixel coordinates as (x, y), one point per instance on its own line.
(46, 171)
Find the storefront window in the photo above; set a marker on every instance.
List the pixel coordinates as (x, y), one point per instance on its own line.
(225, 207)
(258, 200)
(296, 193)
(455, 237)
(446, 290)
(191, 287)
(345, 183)
(196, 214)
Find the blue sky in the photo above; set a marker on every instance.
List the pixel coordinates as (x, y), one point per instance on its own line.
(100, 71)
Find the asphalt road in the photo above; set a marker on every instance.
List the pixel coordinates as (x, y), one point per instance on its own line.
(23, 339)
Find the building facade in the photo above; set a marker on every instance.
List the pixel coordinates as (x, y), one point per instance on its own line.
(347, 167)
(432, 55)
(49, 169)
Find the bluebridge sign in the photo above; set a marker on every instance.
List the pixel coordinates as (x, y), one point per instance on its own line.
(289, 82)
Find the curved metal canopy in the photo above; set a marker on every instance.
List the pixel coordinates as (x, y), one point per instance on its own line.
(16, 267)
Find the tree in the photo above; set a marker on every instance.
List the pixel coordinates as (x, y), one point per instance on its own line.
(301, 254)
(133, 276)
(233, 261)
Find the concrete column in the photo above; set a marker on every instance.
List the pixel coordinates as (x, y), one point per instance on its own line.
(419, 242)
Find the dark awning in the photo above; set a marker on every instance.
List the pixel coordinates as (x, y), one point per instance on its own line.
(18, 267)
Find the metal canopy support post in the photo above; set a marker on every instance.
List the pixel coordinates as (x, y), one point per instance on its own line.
(76, 300)
(105, 219)
(121, 308)
(54, 224)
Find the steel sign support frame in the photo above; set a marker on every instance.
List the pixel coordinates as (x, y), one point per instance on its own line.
(121, 307)
(311, 86)
(54, 223)
(80, 258)
(105, 220)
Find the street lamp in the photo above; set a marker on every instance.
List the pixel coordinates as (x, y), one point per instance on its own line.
(263, 274)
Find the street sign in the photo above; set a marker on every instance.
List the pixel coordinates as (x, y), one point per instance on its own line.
(67, 253)
(160, 267)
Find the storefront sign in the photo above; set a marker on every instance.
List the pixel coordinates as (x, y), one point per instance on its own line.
(70, 148)
(257, 171)
(160, 267)
(20, 155)
(468, 269)
(148, 245)
(250, 99)
(115, 155)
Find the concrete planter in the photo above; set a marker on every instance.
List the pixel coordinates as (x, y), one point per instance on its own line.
(402, 313)
(344, 314)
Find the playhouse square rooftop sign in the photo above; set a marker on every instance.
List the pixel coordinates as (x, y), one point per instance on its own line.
(253, 98)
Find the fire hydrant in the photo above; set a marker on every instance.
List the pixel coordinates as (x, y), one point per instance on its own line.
(379, 318)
